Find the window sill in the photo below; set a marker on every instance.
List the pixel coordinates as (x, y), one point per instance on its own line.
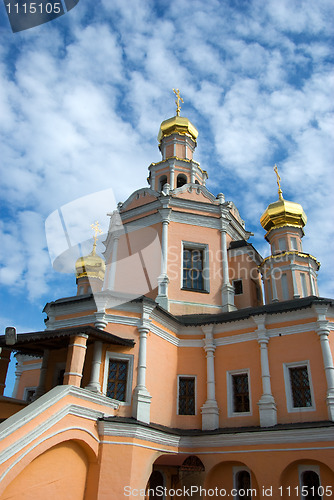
(194, 290)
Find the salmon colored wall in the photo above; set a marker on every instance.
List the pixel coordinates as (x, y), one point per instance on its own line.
(130, 276)
(243, 267)
(58, 473)
(192, 361)
(29, 378)
(142, 198)
(184, 232)
(295, 348)
(291, 483)
(161, 379)
(221, 476)
(241, 356)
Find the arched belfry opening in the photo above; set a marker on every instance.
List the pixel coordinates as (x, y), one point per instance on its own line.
(181, 180)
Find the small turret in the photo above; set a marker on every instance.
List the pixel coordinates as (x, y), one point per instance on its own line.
(288, 272)
(90, 269)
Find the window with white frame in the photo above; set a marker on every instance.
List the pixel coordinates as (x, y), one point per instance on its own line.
(238, 393)
(304, 284)
(285, 289)
(293, 242)
(298, 387)
(281, 244)
(186, 395)
(28, 394)
(195, 267)
(117, 382)
(242, 483)
(309, 480)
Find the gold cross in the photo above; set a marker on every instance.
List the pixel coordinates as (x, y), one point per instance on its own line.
(96, 227)
(177, 101)
(280, 192)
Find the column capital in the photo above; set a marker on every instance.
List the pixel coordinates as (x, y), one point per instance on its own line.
(143, 330)
(165, 214)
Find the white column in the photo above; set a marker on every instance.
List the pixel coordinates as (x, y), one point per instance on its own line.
(172, 177)
(42, 376)
(192, 174)
(18, 373)
(141, 396)
(112, 271)
(227, 288)
(323, 330)
(273, 284)
(94, 383)
(210, 411)
(267, 405)
(162, 298)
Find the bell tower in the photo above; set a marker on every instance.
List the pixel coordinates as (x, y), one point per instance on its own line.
(288, 273)
(177, 142)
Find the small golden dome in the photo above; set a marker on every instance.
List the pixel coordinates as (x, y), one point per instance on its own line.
(177, 125)
(283, 213)
(91, 266)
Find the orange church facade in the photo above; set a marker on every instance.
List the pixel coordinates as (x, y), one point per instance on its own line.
(170, 374)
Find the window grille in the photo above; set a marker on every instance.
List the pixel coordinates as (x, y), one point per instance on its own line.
(237, 284)
(193, 269)
(240, 393)
(186, 396)
(300, 387)
(117, 377)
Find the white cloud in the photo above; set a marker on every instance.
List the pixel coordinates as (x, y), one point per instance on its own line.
(81, 102)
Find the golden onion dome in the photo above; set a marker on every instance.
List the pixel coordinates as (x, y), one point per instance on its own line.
(177, 125)
(91, 266)
(282, 212)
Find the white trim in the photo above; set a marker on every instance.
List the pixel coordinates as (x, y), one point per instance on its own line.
(195, 394)
(230, 405)
(120, 357)
(288, 392)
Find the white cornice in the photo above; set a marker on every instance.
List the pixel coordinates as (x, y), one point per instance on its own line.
(222, 440)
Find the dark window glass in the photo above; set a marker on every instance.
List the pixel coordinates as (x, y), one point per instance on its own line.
(240, 393)
(117, 378)
(193, 269)
(311, 483)
(237, 287)
(181, 180)
(243, 484)
(186, 396)
(162, 181)
(300, 387)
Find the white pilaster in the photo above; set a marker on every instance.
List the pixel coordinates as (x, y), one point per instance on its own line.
(323, 330)
(227, 288)
(18, 373)
(273, 284)
(210, 411)
(141, 397)
(267, 405)
(94, 383)
(162, 298)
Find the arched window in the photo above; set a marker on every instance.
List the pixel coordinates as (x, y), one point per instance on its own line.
(181, 180)
(156, 480)
(196, 181)
(243, 485)
(162, 182)
(311, 483)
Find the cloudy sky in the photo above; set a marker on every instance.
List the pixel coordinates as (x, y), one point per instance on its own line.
(82, 99)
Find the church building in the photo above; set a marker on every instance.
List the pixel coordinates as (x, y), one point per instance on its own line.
(185, 365)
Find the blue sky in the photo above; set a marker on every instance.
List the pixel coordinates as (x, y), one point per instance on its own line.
(82, 99)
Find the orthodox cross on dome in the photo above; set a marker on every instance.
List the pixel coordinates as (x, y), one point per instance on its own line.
(96, 228)
(280, 192)
(177, 101)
